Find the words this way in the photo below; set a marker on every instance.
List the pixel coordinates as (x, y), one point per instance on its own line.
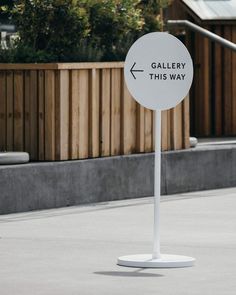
(164, 77)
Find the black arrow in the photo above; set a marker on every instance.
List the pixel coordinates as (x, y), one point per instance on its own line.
(132, 70)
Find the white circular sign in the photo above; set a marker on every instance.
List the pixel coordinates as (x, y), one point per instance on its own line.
(158, 71)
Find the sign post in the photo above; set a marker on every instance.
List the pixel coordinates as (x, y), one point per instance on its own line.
(158, 73)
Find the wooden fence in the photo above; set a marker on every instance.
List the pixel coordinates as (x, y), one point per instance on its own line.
(213, 99)
(79, 110)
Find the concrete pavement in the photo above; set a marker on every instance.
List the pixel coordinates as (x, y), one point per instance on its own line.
(73, 251)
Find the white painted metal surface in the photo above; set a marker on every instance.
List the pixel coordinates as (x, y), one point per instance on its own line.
(164, 261)
(158, 73)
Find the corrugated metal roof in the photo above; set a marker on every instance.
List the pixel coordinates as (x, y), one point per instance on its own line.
(213, 9)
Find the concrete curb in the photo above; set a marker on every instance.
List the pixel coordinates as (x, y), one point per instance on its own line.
(57, 184)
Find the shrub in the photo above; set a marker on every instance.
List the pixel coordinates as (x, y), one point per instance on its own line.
(151, 11)
(114, 25)
(78, 30)
(5, 8)
(53, 26)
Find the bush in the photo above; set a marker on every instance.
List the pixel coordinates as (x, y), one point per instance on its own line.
(114, 25)
(5, 8)
(78, 30)
(151, 11)
(55, 27)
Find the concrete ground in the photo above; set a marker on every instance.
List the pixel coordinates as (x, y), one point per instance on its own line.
(73, 251)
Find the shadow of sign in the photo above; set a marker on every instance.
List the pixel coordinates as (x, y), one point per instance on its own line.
(128, 274)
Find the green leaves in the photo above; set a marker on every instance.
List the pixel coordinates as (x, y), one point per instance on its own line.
(78, 30)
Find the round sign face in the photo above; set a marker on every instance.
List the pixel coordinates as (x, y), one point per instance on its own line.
(158, 71)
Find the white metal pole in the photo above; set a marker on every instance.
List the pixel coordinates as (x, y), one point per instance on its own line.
(157, 186)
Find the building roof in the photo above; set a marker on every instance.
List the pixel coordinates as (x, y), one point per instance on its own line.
(210, 10)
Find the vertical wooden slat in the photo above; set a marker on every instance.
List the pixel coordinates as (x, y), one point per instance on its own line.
(33, 115)
(27, 99)
(153, 129)
(202, 93)
(234, 83)
(169, 132)
(115, 111)
(148, 130)
(10, 110)
(30, 114)
(3, 108)
(185, 123)
(49, 115)
(164, 130)
(227, 84)
(140, 129)
(176, 127)
(197, 98)
(191, 47)
(94, 98)
(205, 109)
(83, 113)
(217, 78)
(74, 115)
(18, 111)
(105, 113)
(41, 115)
(128, 118)
(62, 114)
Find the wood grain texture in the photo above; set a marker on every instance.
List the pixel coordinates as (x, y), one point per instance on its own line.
(27, 99)
(105, 112)
(128, 122)
(50, 153)
(61, 66)
(164, 130)
(148, 130)
(10, 110)
(90, 65)
(140, 129)
(154, 130)
(176, 127)
(33, 115)
(205, 113)
(79, 113)
(185, 112)
(227, 80)
(213, 107)
(170, 128)
(94, 108)
(3, 112)
(18, 111)
(115, 111)
(234, 83)
(83, 114)
(62, 114)
(41, 115)
(218, 83)
(74, 114)
(202, 94)
(197, 99)
(30, 113)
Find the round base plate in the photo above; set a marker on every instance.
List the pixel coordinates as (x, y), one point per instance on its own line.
(146, 260)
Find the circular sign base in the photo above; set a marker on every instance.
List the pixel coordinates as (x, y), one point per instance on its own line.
(146, 261)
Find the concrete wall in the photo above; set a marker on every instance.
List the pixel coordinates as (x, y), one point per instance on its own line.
(56, 184)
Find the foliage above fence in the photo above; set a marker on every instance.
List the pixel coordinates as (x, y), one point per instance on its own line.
(79, 30)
